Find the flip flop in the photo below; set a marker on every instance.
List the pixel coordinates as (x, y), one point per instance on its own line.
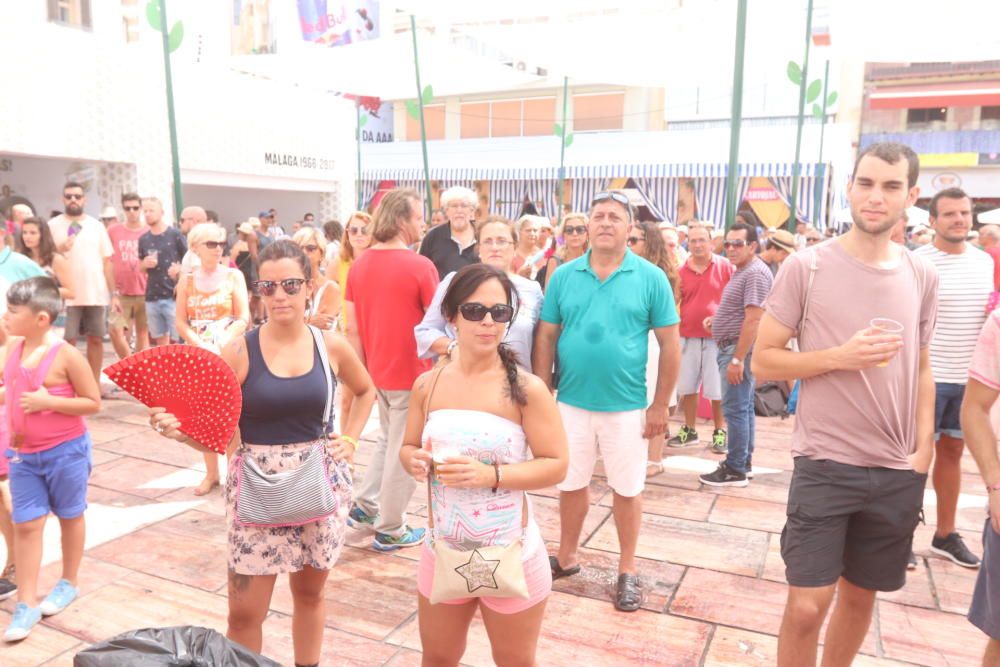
(558, 572)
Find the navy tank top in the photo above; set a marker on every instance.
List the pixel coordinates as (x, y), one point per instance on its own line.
(277, 410)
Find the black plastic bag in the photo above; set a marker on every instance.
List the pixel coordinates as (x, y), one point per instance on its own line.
(180, 646)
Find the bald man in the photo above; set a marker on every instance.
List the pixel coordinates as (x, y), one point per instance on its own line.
(191, 216)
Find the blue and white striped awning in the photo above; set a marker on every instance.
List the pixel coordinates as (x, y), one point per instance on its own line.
(678, 170)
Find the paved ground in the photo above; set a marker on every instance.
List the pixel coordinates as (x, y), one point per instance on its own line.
(710, 560)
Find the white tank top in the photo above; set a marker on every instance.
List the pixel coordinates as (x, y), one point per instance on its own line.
(469, 518)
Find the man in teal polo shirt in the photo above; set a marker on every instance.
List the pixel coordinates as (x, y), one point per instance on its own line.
(600, 309)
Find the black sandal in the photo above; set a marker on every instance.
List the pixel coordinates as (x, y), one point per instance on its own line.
(558, 572)
(628, 597)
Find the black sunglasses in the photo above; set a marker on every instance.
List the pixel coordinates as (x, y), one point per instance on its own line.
(214, 245)
(357, 230)
(476, 312)
(632, 240)
(131, 208)
(72, 197)
(580, 229)
(291, 286)
(310, 248)
(735, 243)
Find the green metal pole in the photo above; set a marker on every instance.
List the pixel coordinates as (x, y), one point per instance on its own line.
(821, 167)
(802, 110)
(171, 117)
(357, 124)
(562, 152)
(736, 117)
(423, 128)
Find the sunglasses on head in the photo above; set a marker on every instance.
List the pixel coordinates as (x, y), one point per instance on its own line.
(131, 208)
(310, 248)
(632, 240)
(357, 230)
(579, 229)
(735, 243)
(73, 197)
(476, 312)
(291, 286)
(619, 197)
(214, 245)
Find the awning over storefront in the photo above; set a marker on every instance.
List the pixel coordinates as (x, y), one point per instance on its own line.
(692, 190)
(624, 170)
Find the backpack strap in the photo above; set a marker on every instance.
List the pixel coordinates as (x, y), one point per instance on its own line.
(325, 360)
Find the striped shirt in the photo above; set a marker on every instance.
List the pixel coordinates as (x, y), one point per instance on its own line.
(749, 286)
(965, 284)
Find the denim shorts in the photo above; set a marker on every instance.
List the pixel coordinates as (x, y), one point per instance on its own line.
(948, 409)
(161, 317)
(984, 612)
(53, 480)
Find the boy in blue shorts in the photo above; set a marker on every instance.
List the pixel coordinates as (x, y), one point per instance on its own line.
(48, 389)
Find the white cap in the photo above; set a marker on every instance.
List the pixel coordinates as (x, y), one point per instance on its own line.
(683, 229)
(109, 212)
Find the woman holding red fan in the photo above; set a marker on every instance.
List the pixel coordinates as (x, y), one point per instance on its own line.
(213, 308)
(287, 395)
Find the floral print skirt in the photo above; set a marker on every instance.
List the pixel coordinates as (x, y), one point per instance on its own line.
(264, 551)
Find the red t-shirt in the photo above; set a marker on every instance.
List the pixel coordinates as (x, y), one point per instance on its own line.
(700, 295)
(391, 290)
(129, 279)
(994, 252)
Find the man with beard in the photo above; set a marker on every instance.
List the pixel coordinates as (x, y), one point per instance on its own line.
(965, 276)
(863, 309)
(86, 243)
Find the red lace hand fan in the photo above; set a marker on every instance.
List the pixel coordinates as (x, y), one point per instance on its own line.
(193, 384)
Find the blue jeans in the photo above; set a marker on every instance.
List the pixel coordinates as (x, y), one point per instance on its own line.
(737, 406)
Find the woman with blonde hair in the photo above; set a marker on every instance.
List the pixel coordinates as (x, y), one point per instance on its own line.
(324, 303)
(213, 308)
(357, 239)
(645, 240)
(575, 244)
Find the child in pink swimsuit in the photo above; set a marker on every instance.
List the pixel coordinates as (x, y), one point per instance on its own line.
(48, 389)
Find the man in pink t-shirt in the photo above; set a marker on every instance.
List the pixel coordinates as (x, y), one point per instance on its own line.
(703, 277)
(130, 281)
(388, 290)
(863, 438)
(980, 429)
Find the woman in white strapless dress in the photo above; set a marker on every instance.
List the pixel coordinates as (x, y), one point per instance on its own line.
(493, 432)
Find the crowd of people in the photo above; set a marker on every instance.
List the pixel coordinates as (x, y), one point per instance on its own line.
(510, 356)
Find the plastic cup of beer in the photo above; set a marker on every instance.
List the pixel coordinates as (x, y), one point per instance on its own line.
(884, 325)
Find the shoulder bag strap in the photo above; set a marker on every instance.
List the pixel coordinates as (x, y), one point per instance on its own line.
(325, 360)
(427, 405)
(809, 286)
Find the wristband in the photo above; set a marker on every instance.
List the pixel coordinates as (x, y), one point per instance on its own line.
(499, 476)
(348, 439)
(993, 487)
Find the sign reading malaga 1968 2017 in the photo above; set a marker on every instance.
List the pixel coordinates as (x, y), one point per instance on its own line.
(302, 161)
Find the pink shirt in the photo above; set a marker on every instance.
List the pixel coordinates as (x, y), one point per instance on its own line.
(862, 418)
(701, 294)
(985, 367)
(129, 279)
(43, 430)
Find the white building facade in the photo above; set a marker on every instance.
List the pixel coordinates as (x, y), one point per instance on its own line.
(85, 100)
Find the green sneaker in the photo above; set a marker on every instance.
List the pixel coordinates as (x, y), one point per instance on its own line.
(720, 443)
(410, 538)
(685, 437)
